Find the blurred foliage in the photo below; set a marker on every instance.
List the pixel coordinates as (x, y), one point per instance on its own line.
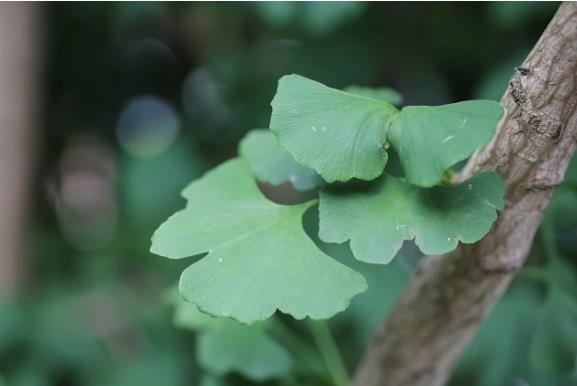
(225, 345)
(141, 98)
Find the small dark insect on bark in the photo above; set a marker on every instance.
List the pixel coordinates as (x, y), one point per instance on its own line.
(523, 70)
(517, 91)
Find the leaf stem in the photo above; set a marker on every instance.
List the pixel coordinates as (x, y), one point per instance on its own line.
(329, 351)
(298, 345)
(447, 179)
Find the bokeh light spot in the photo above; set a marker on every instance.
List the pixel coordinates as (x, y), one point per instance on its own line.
(147, 126)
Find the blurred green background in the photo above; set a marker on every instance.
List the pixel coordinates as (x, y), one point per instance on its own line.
(141, 98)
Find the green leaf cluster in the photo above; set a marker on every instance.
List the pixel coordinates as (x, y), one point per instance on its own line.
(257, 257)
(345, 135)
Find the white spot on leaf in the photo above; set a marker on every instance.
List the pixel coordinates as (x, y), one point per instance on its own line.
(450, 137)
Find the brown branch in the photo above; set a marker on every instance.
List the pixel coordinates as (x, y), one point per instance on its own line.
(19, 45)
(450, 295)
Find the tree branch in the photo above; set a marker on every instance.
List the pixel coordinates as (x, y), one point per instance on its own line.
(450, 295)
(19, 46)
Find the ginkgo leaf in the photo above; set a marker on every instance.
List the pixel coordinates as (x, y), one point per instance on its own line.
(274, 165)
(225, 345)
(378, 219)
(338, 134)
(233, 347)
(429, 140)
(381, 93)
(259, 257)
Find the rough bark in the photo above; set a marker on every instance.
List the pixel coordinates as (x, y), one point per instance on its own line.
(450, 295)
(18, 82)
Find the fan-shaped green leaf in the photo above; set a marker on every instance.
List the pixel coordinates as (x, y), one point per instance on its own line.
(431, 139)
(274, 165)
(233, 347)
(338, 134)
(384, 94)
(259, 258)
(226, 346)
(377, 220)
